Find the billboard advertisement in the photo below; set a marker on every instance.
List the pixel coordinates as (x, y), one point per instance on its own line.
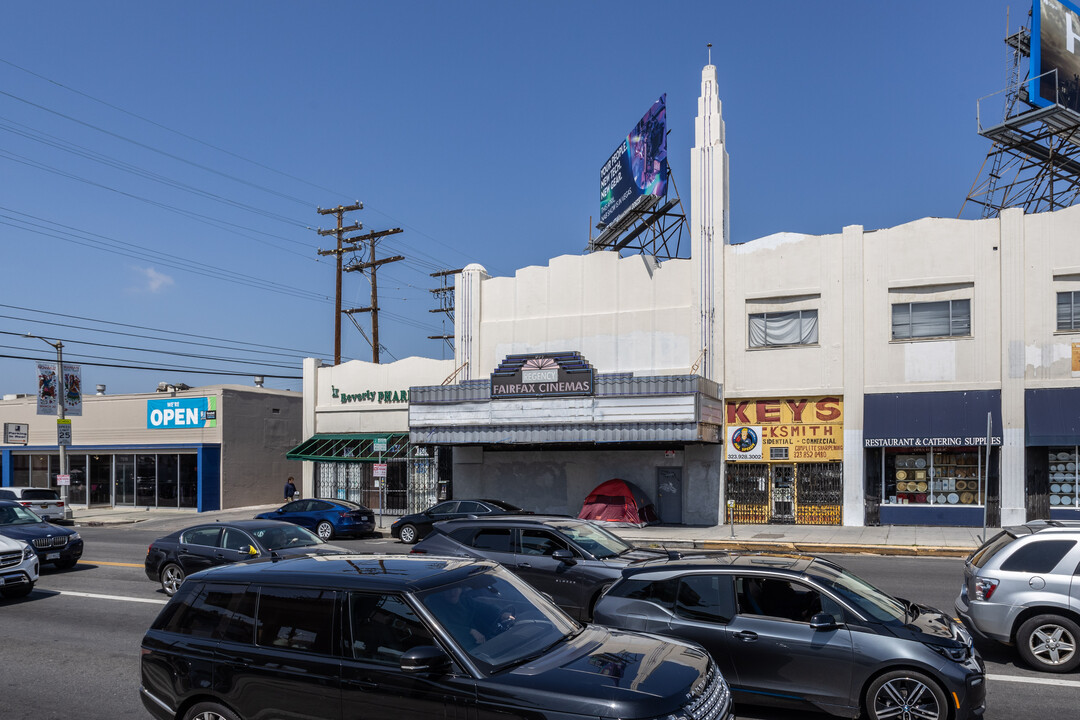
(176, 413)
(638, 166)
(1055, 54)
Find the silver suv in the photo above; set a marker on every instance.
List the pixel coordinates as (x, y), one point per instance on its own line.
(18, 568)
(1021, 587)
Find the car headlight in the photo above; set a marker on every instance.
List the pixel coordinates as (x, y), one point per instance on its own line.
(74, 536)
(28, 552)
(956, 654)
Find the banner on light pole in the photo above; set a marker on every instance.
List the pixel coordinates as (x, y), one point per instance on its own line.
(49, 389)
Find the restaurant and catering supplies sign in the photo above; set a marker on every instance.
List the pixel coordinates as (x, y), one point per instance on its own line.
(543, 375)
(49, 389)
(638, 167)
(811, 429)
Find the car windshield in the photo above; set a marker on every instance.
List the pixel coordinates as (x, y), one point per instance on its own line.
(285, 536)
(865, 597)
(498, 620)
(592, 539)
(18, 515)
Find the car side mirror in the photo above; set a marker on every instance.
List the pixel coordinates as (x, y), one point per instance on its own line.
(425, 659)
(563, 555)
(280, 510)
(822, 621)
(249, 550)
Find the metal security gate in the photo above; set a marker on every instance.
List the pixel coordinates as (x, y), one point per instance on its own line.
(748, 487)
(423, 490)
(820, 493)
(356, 481)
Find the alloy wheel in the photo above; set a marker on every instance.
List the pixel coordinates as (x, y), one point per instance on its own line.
(1052, 644)
(906, 698)
(171, 579)
(325, 530)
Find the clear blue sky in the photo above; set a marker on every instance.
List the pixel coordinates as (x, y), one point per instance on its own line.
(161, 163)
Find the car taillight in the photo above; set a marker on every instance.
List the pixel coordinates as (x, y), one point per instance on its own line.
(25, 504)
(149, 548)
(59, 503)
(984, 588)
(415, 551)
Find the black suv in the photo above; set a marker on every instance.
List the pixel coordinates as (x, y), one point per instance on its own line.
(352, 636)
(799, 631)
(573, 561)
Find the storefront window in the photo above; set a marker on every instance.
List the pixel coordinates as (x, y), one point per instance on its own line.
(77, 470)
(1064, 477)
(99, 474)
(146, 480)
(39, 471)
(168, 476)
(20, 470)
(124, 480)
(935, 476)
(189, 480)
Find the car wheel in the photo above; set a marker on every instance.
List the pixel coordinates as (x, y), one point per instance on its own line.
(906, 694)
(408, 534)
(325, 530)
(17, 591)
(172, 575)
(1048, 642)
(210, 711)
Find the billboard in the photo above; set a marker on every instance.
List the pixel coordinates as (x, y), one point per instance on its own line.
(1055, 54)
(638, 166)
(176, 413)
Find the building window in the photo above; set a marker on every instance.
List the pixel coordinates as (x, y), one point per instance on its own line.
(947, 318)
(1068, 310)
(772, 329)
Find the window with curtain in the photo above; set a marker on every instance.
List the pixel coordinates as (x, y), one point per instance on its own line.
(1068, 311)
(772, 329)
(945, 318)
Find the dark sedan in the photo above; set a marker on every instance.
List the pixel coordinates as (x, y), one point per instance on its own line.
(803, 632)
(54, 545)
(326, 517)
(571, 560)
(172, 558)
(410, 528)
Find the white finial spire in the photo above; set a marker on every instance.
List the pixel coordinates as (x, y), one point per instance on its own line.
(709, 45)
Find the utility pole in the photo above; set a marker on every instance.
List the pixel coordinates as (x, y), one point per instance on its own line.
(445, 297)
(339, 231)
(61, 394)
(372, 265)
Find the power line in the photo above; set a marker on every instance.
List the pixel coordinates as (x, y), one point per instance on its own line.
(193, 371)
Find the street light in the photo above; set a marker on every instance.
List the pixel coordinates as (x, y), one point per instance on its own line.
(61, 389)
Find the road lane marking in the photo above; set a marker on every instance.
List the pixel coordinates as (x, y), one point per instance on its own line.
(1034, 681)
(113, 564)
(95, 596)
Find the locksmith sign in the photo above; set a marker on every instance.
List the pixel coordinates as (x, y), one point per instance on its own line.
(788, 429)
(543, 375)
(181, 413)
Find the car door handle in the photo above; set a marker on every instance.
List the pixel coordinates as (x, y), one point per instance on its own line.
(746, 636)
(525, 565)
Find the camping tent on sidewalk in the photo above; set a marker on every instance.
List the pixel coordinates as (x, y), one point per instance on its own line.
(620, 503)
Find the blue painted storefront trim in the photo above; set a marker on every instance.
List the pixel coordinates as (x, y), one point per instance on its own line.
(1060, 513)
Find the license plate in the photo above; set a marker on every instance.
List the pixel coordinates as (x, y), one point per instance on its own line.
(52, 556)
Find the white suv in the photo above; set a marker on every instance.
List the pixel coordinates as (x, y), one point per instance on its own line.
(18, 568)
(45, 502)
(1022, 587)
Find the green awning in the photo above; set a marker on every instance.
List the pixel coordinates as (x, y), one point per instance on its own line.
(351, 447)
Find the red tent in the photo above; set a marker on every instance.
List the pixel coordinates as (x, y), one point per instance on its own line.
(620, 503)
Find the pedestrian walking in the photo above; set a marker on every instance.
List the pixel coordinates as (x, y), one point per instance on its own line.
(290, 490)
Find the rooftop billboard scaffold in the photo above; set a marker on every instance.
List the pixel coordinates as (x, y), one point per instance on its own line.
(1055, 46)
(638, 167)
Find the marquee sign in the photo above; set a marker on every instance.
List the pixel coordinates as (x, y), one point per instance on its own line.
(543, 375)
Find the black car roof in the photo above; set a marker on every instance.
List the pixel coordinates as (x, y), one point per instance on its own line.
(388, 573)
(793, 564)
(505, 519)
(241, 524)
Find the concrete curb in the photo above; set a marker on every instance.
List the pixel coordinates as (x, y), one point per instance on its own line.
(812, 548)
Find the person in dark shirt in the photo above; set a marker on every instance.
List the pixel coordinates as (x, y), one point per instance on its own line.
(290, 490)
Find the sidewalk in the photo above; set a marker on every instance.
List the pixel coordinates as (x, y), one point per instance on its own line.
(810, 539)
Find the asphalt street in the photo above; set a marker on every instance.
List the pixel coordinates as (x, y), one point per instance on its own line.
(71, 649)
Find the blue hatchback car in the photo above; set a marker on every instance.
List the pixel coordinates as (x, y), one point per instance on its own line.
(328, 518)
